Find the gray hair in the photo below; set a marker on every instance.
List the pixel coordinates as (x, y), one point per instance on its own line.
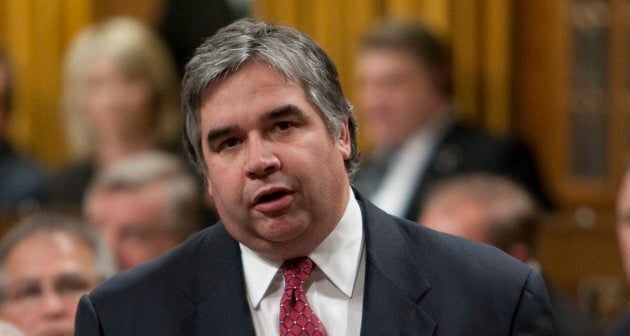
(48, 223)
(134, 48)
(284, 49)
(182, 204)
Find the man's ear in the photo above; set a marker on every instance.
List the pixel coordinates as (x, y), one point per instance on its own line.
(344, 142)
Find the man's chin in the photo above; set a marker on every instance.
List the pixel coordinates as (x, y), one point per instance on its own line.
(281, 231)
(281, 245)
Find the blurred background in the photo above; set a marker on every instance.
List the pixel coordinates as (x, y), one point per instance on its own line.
(555, 73)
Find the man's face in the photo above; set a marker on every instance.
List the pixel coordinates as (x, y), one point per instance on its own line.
(623, 222)
(46, 274)
(132, 223)
(396, 94)
(276, 175)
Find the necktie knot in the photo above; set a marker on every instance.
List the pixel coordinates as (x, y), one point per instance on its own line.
(296, 316)
(296, 271)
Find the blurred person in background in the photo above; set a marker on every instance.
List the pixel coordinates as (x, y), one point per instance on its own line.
(622, 326)
(405, 92)
(143, 205)
(495, 210)
(21, 179)
(120, 97)
(47, 261)
(8, 329)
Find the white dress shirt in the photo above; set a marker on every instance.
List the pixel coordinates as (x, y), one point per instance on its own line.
(401, 179)
(334, 288)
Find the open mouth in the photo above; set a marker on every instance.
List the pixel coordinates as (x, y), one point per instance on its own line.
(274, 201)
(272, 196)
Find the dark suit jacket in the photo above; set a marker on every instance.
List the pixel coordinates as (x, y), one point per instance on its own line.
(418, 282)
(461, 150)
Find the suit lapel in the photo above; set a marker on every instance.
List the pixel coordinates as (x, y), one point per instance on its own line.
(214, 299)
(394, 286)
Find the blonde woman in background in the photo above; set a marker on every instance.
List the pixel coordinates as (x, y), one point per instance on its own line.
(120, 98)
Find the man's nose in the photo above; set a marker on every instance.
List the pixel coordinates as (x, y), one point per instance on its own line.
(52, 303)
(261, 159)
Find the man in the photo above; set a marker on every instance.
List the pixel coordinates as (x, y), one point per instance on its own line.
(486, 208)
(143, 205)
(297, 251)
(21, 179)
(47, 262)
(622, 326)
(494, 210)
(405, 91)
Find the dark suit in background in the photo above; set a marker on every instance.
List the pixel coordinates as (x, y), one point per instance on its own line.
(462, 150)
(418, 282)
(405, 93)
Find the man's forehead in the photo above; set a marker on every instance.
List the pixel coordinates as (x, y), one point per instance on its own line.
(256, 65)
(47, 244)
(41, 256)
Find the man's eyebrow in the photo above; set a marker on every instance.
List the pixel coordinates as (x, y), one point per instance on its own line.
(283, 111)
(216, 133)
(277, 113)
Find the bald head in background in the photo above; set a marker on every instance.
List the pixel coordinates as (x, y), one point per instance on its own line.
(485, 208)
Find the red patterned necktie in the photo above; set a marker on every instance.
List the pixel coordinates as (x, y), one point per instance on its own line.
(296, 316)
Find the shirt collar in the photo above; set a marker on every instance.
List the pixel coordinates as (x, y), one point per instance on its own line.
(338, 257)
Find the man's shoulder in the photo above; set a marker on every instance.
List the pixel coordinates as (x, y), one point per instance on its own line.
(441, 251)
(448, 276)
(441, 256)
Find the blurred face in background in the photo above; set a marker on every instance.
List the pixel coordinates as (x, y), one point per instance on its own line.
(119, 103)
(623, 222)
(396, 94)
(45, 275)
(132, 224)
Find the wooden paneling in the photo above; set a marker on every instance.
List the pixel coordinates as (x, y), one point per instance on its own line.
(466, 40)
(497, 65)
(35, 34)
(544, 57)
(147, 11)
(584, 262)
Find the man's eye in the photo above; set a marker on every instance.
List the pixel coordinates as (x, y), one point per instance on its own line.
(71, 284)
(229, 143)
(26, 293)
(284, 125)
